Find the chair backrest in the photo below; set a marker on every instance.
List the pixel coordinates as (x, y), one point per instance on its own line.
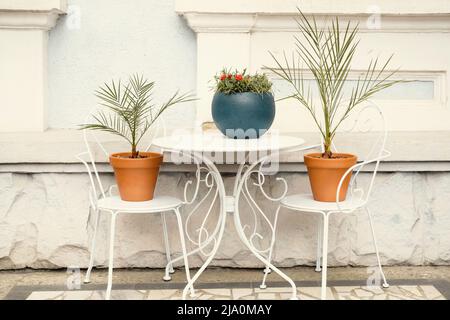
(369, 128)
(94, 145)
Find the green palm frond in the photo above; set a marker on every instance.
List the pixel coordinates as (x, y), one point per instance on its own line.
(328, 54)
(131, 112)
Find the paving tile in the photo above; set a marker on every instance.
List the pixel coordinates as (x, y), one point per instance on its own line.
(412, 289)
(46, 295)
(344, 289)
(284, 289)
(220, 291)
(431, 292)
(266, 296)
(273, 289)
(304, 293)
(361, 293)
(241, 292)
(162, 294)
(382, 296)
(373, 289)
(285, 296)
(126, 295)
(314, 292)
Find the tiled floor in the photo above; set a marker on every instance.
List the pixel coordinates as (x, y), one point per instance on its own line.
(430, 282)
(399, 292)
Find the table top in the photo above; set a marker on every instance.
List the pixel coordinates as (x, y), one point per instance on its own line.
(217, 142)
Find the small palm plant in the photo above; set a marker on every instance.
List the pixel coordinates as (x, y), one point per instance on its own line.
(328, 54)
(132, 112)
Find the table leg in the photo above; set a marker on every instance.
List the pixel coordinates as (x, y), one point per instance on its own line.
(216, 236)
(242, 190)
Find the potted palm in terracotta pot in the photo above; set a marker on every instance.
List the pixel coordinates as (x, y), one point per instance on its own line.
(243, 106)
(131, 115)
(327, 54)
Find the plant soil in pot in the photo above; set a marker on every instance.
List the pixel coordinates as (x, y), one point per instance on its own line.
(325, 175)
(136, 177)
(131, 114)
(243, 106)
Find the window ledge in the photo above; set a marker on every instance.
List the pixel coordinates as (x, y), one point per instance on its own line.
(55, 150)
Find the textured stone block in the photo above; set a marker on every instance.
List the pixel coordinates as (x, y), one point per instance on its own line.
(45, 222)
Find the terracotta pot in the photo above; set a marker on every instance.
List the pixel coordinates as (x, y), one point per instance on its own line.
(325, 175)
(136, 178)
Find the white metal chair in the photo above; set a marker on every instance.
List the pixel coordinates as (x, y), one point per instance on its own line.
(357, 198)
(106, 202)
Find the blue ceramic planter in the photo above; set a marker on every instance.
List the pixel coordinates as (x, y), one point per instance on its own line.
(243, 115)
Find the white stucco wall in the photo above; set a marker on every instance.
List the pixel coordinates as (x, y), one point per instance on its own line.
(44, 214)
(104, 39)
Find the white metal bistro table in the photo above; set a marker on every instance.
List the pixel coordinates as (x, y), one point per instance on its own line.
(255, 157)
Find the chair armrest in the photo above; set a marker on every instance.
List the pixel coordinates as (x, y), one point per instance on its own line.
(111, 188)
(384, 154)
(93, 196)
(80, 156)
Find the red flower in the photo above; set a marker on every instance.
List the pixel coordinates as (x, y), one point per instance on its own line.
(229, 76)
(223, 77)
(238, 77)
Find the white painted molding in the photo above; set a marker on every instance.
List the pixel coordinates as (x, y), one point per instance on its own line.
(36, 14)
(28, 20)
(256, 22)
(279, 16)
(33, 5)
(283, 7)
(24, 26)
(216, 22)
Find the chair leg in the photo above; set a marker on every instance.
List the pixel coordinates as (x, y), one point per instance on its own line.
(385, 284)
(169, 267)
(323, 294)
(272, 244)
(319, 244)
(183, 247)
(111, 255)
(87, 278)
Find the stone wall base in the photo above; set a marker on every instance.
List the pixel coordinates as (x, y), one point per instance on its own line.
(45, 223)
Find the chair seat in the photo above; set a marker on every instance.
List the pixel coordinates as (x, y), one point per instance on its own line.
(306, 202)
(158, 204)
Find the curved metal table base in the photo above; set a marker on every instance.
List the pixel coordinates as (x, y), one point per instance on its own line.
(229, 204)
